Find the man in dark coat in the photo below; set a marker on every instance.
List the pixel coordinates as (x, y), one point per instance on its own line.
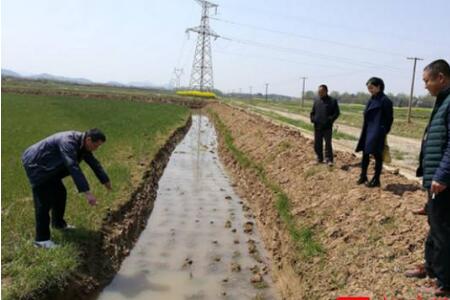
(434, 166)
(324, 112)
(378, 119)
(50, 160)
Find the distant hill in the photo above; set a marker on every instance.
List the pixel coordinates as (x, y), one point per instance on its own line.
(6, 72)
(46, 76)
(50, 77)
(142, 84)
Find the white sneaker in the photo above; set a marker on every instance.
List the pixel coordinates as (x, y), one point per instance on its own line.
(49, 244)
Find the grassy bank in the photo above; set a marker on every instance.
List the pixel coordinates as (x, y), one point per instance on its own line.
(135, 131)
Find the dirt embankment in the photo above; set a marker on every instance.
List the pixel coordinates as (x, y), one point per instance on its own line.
(120, 230)
(369, 236)
(166, 99)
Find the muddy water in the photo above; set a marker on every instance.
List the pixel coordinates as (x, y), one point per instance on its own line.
(199, 242)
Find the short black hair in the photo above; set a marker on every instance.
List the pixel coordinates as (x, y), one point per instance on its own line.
(438, 66)
(378, 82)
(96, 135)
(323, 86)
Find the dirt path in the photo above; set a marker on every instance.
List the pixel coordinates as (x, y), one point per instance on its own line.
(405, 148)
(200, 241)
(369, 236)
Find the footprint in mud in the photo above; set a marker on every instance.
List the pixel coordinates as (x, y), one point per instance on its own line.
(252, 246)
(187, 263)
(248, 227)
(235, 267)
(228, 224)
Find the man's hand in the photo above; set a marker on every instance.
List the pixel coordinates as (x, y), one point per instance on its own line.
(90, 198)
(108, 186)
(437, 187)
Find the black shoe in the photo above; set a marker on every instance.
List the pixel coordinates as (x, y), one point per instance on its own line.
(362, 179)
(375, 182)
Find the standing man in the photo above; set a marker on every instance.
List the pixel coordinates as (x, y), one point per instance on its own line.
(47, 162)
(324, 112)
(435, 169)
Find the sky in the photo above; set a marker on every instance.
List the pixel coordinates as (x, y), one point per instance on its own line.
(339, 43)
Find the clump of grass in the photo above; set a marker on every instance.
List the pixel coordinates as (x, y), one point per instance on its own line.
(398, 155)
(311, 171)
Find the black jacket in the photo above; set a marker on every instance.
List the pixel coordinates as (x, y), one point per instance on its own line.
(324, 112)
(58, 156)
(378, 118)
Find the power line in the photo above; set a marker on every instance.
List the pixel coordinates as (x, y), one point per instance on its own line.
(297, 51)
(308, 37)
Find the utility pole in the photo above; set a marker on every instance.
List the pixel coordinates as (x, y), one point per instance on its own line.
(267, 86)
(202, 72)
(250, 89)
(303, 90)
(412, 85)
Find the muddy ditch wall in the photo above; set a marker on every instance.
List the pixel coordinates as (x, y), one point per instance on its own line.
(369, 236)
(119, 232)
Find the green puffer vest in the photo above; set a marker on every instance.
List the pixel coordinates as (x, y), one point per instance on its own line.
(436, 140)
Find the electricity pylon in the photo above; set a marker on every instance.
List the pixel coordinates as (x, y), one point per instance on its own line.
(202, 72)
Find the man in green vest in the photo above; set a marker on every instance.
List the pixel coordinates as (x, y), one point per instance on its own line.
(435, 169)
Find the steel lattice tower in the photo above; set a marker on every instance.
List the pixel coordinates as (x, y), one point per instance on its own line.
(202, 72)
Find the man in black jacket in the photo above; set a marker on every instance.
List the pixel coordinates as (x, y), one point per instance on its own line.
(324, 112)
(50, 160)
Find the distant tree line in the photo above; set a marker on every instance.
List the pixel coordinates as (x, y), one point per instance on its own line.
(399, 100)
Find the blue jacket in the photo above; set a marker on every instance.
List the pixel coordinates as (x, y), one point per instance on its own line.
(436, 166)
(59, 155)
(378, 118)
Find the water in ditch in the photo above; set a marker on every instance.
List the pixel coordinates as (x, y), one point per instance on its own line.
(200, 241)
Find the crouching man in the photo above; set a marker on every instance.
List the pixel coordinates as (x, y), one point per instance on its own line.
(50, 160)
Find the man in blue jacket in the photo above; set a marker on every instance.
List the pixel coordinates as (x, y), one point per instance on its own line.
(435, 169)
(50, 160)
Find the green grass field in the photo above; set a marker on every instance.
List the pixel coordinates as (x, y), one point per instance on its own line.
(135, 132)
(352, 115)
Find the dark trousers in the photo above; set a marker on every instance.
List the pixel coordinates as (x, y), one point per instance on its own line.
(319, 136)
(50, 195)
(437, 244)
(378, 164)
